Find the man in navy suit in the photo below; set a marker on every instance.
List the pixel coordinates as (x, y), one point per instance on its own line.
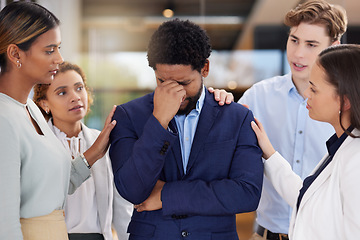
(186, 163)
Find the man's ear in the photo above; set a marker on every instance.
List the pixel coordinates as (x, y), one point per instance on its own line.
(13, 54)
(205, 69)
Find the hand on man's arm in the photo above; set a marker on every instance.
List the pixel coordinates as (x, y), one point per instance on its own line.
(153, 202)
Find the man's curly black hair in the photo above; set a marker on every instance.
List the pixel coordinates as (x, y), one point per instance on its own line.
(179, 42)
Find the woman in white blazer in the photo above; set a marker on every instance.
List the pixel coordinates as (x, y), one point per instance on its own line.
(327, 204)
(91, 210)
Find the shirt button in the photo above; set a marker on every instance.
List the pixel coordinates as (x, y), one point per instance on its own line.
(187, 139)
(300, 132)
(297, 161)
(184, 233)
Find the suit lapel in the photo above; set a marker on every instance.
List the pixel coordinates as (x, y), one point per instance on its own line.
(176, 149)
(206, 120)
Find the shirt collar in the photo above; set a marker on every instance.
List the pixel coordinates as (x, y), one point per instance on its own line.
(60, 134)
(200, 101)
(291, 88)
(289, 85)
(334, 143)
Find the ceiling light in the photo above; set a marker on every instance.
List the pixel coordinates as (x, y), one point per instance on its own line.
(169, 9)
(232, 85)
(168, 13)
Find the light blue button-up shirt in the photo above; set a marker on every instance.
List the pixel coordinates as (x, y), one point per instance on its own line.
(299, 139)
(186, 125)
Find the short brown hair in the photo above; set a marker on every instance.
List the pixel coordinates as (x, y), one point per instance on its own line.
(319, 12)
(41, 89)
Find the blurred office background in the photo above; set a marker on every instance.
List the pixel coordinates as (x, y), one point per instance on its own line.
(108, 39)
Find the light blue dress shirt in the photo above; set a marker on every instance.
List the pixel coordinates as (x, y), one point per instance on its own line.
(186, 125)
(299, 139)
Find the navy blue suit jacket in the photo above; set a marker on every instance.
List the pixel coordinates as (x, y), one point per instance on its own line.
(224, 172)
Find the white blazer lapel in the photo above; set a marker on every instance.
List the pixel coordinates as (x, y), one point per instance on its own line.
(320, 180)
(324, 175)
(102, 176)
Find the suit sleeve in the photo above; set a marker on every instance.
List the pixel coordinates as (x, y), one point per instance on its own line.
(238, 192)
(137, 159)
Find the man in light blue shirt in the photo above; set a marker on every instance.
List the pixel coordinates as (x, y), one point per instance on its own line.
(187, 164)
(279, 104)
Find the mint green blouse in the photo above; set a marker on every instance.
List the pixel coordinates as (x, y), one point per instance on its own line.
(35, 172)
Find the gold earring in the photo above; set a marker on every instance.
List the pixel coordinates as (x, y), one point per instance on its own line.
(18, 64)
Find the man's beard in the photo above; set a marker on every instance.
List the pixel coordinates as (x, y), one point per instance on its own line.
(191, 104)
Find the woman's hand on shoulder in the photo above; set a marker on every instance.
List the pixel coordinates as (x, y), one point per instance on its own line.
(101, 144)
(263, 139)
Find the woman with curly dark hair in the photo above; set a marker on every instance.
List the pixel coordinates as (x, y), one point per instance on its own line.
(94, 207)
